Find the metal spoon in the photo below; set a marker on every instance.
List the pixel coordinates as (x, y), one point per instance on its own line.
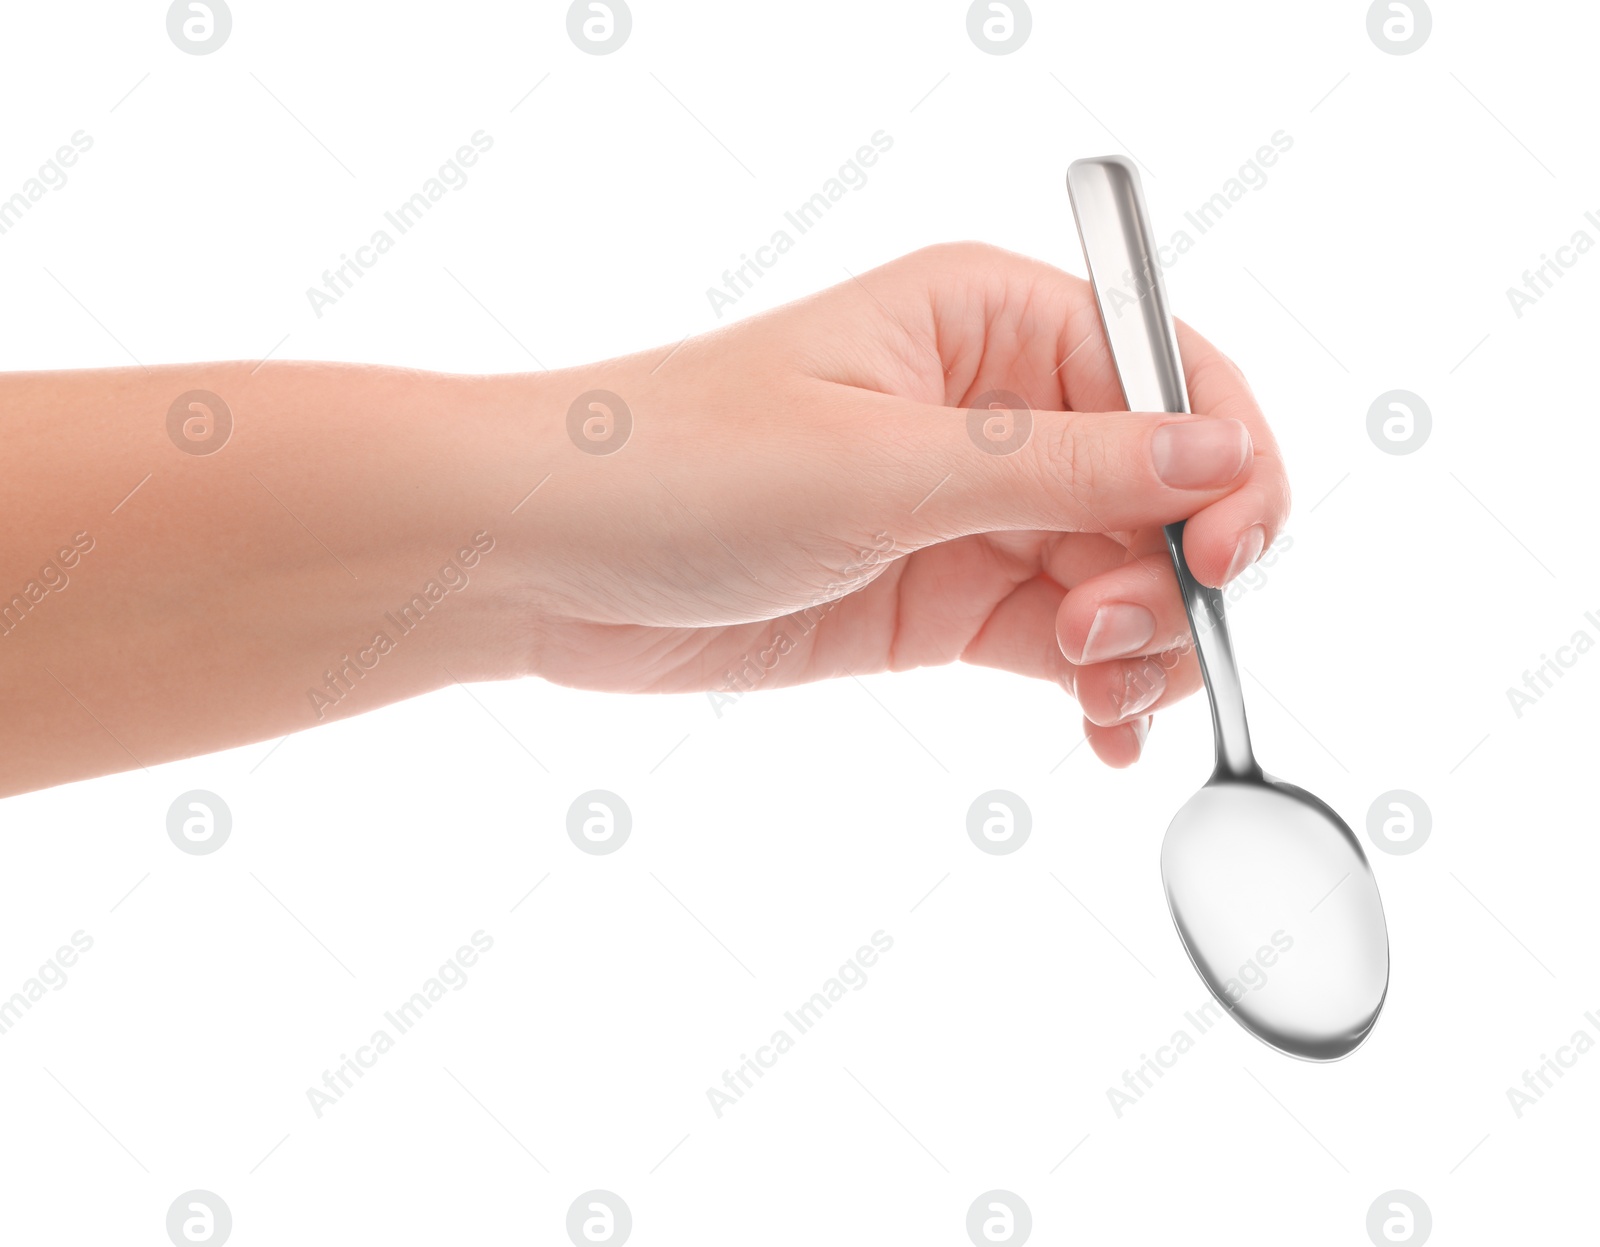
(1270, 892)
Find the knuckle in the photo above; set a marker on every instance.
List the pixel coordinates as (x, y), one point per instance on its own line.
(950, 254)
(1071, 465)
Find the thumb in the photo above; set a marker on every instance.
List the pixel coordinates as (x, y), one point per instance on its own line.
(1013, 468)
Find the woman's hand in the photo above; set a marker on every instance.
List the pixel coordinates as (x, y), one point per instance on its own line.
(919, 465)
(846, 485)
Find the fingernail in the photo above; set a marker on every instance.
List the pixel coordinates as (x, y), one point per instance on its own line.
(1200, 454)
(1142, 686)
(1117, 630)
(1247, 551)
(1141, 729)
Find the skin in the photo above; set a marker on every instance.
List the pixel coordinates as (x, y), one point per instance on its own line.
(800, 497)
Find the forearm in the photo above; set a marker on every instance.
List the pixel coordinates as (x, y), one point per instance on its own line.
(350, 544)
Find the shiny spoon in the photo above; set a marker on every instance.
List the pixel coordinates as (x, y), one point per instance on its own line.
(1270, 891)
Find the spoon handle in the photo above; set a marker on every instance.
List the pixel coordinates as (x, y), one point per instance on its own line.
(1124, 270)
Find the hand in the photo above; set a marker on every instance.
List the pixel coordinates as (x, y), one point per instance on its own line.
(803, 496)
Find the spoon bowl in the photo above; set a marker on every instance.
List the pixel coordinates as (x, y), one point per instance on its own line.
(1277, 908)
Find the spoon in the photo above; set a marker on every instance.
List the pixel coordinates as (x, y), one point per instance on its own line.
(1269, 889)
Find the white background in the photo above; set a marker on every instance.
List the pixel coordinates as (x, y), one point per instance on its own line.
(771, 842)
